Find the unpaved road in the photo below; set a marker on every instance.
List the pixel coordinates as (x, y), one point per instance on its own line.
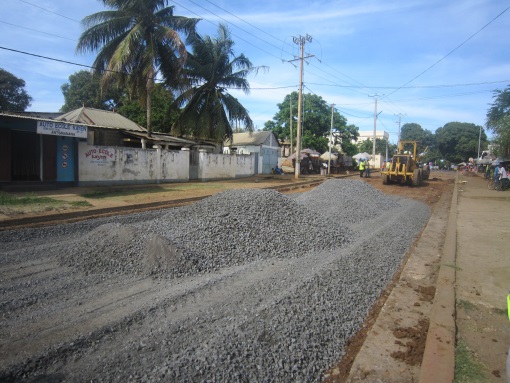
(81, 329)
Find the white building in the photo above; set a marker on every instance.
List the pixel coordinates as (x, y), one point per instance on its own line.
(369, 135)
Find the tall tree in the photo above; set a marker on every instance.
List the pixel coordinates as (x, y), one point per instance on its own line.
(498, 121)
(84, 89)
(316, 123)
(133, 38)
(163, 114)
(13, 96)
(414, 132)
(458, 141)
(212, 68)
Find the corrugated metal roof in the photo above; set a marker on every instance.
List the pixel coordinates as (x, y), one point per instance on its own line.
(250, 138)
(29, 117)
(101, 118)
(164, 139)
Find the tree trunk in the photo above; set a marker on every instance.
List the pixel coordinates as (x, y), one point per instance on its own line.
(150, 87)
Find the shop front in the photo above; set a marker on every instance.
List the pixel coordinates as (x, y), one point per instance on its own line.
(36, 151)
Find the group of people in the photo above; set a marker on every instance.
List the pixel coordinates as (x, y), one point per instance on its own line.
(364, 168)
(500, 175)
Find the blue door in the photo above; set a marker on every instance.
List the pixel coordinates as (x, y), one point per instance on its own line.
(65, 159)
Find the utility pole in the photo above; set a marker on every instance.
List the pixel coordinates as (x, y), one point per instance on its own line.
(399, 120)
(330, 138)
(300, 40)
(375, 128)
(290, 102)
(479, 141)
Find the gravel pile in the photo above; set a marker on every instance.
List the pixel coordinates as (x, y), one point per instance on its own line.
(301, 289)
(347, 201)
(227, 229)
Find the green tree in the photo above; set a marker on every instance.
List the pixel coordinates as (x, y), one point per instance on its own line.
(414, 132)
(84, 89)
(498, 121)
(212, 68)
(316, 124)
(458, 141)
(13, 96)
(380, 147)
(163, 114)
(133, 38)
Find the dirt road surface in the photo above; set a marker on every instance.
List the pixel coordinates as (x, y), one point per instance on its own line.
(388, 348)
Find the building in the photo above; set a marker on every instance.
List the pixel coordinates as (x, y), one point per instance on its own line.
(263, 144)
(369, 135)
(44, 147)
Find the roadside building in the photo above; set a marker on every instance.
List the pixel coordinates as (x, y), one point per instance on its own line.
(263, 144)
(45, 148)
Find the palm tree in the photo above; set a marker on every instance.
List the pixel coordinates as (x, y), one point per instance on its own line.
(134, 37)
(210, 70)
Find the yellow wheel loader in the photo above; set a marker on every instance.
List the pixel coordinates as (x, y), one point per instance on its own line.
(404, 167)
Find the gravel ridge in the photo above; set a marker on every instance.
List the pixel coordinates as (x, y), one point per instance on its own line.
(279, 312)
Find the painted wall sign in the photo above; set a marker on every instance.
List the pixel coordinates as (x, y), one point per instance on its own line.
(56, 128)
(65, 159)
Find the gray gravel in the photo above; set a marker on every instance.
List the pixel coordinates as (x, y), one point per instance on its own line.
(227, 229)
(347, 201)
(248, 286)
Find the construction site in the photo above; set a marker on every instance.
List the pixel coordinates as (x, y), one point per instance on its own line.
(329, 279)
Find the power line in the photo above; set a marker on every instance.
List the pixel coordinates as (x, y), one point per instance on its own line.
(448, 54)
(251, 34)
(67, 62)
(244, 30)
(47, 10)
(35, 30)
(254, 26)
(233, 34)
(415, 86)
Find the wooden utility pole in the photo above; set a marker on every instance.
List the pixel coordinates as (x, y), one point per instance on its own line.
(291, 138)
(330, 138)
(399, 121)
(300, 40)
(375, 128)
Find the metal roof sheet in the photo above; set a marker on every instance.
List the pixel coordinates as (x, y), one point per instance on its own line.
(249, 138)
(162, 138)
(101, 118)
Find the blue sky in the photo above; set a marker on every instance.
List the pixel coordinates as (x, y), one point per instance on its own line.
(430, 61)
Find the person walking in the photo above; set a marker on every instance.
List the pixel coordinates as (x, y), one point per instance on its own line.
(361, 168)
(496, 174)
(503, 177)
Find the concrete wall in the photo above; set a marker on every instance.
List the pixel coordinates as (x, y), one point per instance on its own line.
(109, 165)
(268, 156)
(225, 166)
(120, 165)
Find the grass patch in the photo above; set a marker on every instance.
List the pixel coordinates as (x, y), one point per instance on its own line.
(80, 204)
(466, 304)
(467, 368)
(499, 311)
(28, 199)
(111, 193)
(98, 194)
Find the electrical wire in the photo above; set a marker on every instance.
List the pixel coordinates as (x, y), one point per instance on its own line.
(47, 10)
(35, 30)
(453, 50)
